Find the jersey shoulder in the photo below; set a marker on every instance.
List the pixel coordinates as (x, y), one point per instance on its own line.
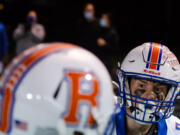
(173, 125)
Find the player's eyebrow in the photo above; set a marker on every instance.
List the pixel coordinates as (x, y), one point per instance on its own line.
(142, 80)
(145, 81)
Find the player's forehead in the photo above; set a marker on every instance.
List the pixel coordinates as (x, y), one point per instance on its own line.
(146, 81)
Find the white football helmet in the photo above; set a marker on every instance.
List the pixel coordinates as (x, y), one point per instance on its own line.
(155, 62)
(56, 89)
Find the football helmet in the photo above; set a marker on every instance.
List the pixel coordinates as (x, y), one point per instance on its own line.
(154, 62)
(56, 89)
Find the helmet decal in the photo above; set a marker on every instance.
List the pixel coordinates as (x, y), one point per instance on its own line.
(13, 78)
(172, 60)
(79, 97)
(154, 56)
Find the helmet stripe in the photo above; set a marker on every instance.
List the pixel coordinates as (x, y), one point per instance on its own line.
(149, 55)
(154, 56)
(9, 86)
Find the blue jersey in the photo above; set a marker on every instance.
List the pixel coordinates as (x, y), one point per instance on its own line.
(170, 126)
(3, 41)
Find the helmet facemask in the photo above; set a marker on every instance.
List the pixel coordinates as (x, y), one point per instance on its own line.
(145, 110)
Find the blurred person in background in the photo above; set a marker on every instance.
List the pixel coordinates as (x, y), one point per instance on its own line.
(3, 47)
(28, 34)
(3, 39)
(87, 28)
(108, 40)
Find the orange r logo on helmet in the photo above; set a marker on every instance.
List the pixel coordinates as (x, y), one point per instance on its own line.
(76, 97)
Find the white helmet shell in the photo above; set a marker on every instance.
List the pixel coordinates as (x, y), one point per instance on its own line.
(152, 59)
(55, 89)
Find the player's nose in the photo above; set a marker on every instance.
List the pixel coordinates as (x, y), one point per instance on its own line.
(149, 93)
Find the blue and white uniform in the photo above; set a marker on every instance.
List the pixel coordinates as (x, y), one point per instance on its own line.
(170, 126)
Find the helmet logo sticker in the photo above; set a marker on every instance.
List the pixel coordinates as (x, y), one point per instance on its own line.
(172, 60)
(152, 72)
(79, 97)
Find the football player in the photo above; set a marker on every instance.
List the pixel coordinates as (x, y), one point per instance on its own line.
(148, 81)
(56, 89)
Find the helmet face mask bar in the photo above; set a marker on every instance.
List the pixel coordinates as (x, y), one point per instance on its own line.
(142, 109)
(145, 110)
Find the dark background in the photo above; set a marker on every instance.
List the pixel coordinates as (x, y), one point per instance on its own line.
(137, 21)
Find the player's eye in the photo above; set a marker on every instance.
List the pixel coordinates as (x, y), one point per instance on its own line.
(139, 92)
(158, 90)
(141, 85)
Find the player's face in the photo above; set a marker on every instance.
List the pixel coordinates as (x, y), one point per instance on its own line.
(148, 89)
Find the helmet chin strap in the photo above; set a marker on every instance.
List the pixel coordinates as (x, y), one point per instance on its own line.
(143, 113)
